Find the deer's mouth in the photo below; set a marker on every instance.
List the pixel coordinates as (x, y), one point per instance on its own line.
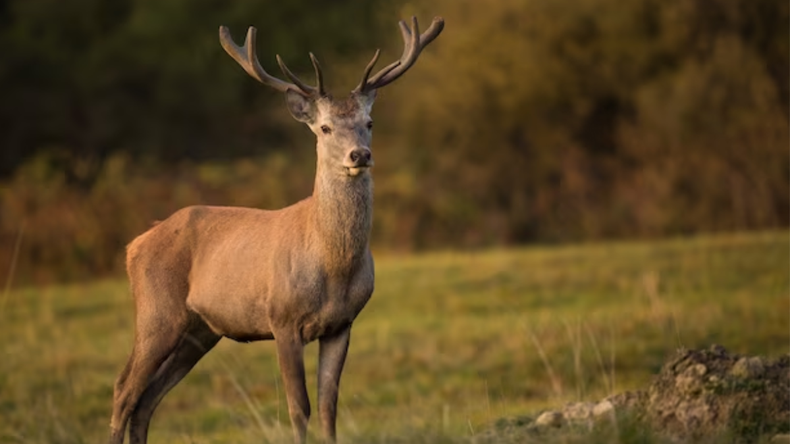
(357, 169)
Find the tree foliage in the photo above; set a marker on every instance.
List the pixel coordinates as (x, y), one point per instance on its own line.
(527, 120)
(557, 120)
(85, 79)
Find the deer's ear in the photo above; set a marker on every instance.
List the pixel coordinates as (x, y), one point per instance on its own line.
(300, 107)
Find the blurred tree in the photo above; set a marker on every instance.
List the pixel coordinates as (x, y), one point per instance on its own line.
(86, 78)
(546, 119)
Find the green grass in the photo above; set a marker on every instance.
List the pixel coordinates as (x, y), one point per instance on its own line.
(449, 344)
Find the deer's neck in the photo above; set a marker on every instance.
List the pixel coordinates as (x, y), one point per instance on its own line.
(343, 215)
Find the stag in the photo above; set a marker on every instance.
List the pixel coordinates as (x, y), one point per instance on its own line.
(292, 275)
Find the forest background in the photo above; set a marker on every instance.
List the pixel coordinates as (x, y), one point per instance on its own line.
(526, 121)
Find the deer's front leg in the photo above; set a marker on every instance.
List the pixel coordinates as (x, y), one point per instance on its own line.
(290, 354)
(331, 357)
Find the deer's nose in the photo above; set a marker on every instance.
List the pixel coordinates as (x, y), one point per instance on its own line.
(360, 157)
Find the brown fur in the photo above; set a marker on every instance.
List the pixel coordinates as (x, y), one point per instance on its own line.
(347, 107)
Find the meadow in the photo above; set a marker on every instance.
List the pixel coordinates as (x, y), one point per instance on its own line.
(450, 343)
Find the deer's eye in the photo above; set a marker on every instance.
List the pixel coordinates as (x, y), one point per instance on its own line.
(326, 130)
(370, 125)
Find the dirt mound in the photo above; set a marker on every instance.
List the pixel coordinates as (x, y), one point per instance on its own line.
(703, 392)
(697, 394)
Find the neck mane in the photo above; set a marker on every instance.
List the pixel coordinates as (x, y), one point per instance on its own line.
(343, 215)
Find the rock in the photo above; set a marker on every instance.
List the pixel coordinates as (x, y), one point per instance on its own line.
(550, 419)
(718, 350)
(707, 392)
(578, 412)
(748, 367)
(633, 400)
(603, 408)
(697, 395)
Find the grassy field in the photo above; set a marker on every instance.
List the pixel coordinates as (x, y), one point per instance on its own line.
(450, 342)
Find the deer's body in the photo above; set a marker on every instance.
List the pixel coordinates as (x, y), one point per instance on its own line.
(248, 285)
(294, 275)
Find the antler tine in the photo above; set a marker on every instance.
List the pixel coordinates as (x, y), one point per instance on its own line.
(411, 49)
(413, 44)
(382, 73)
(412, 36)
(247, 57)
(305, 88)
(433, 31)
(319, 75)
(367, 71)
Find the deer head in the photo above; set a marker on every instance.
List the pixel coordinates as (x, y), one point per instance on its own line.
(343, 127)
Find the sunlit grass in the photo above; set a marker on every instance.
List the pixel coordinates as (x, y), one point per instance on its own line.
(449, 344)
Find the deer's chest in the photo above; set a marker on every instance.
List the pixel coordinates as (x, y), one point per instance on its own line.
(325, 305)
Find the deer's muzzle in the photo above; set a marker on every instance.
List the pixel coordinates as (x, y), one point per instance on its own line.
(358, 160)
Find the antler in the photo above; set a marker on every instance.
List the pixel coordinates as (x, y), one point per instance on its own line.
(413, 44)
(247, 57)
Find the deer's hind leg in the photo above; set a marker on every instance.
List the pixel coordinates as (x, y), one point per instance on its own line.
(161, 322)
(194, 344)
